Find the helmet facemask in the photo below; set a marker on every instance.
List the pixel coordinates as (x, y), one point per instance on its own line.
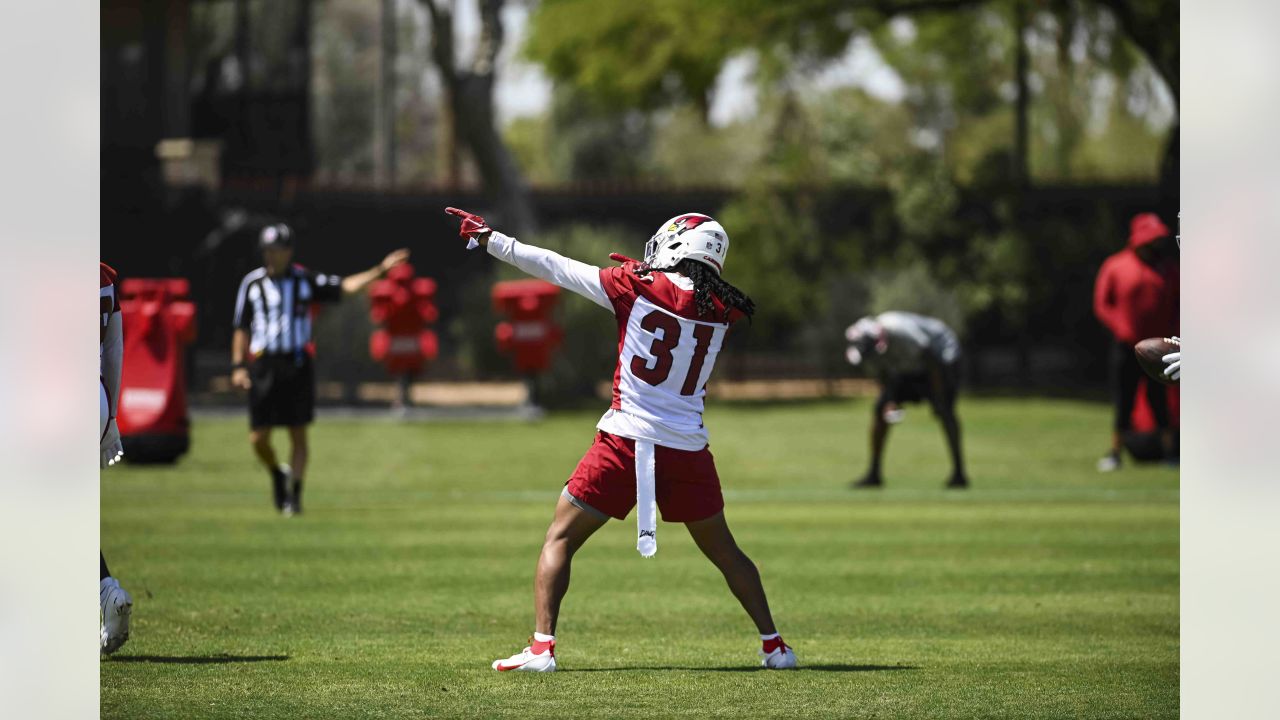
(651, 248)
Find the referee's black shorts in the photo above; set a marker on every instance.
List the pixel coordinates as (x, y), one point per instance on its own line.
(283, 391)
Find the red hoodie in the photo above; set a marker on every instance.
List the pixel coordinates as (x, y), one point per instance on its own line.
(1133, 299)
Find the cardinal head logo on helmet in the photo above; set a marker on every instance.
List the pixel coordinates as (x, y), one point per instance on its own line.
(692, 235)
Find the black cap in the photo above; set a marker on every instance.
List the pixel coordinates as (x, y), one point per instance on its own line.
(275, 235)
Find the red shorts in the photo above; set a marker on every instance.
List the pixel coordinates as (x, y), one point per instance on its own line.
(686, 484)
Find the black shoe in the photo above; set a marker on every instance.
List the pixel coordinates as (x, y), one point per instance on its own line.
(958, 482)
(279, 481)
(870, 480)
(293, 504)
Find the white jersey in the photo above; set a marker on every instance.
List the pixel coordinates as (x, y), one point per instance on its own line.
(108, 304)
(912, 339)
(665, 351)
(110, 347)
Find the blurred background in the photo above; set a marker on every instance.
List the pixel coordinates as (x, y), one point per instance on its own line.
(972, 160)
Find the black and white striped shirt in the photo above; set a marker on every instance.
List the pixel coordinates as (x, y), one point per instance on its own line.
(276, 311)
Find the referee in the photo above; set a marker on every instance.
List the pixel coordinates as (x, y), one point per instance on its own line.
(271, 351)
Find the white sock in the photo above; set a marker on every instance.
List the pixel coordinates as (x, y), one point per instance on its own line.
(543, 638)
(774, 636)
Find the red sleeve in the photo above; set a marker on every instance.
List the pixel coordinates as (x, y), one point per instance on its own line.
(620, 286)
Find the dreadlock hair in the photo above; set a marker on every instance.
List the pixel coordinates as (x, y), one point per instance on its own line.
(707, 285)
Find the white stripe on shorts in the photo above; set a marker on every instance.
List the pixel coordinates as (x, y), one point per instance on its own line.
(646, 500)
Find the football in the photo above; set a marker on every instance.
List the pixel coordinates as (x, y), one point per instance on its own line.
(1149, 353)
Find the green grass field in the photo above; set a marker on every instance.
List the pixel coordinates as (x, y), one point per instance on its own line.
(1047, 590)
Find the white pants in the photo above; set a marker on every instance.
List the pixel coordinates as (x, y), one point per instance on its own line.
(104, 409)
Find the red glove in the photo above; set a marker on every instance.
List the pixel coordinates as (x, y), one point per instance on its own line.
(472, 225)
(630, 264)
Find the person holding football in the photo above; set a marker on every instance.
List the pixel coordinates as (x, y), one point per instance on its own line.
(650, 451)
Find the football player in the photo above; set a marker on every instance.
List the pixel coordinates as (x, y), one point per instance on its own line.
(115, 604)
(673, 311)
(915, 358)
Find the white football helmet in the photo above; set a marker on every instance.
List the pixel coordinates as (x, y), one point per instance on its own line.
(691, 235)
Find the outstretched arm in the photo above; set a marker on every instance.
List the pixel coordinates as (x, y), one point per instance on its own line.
(353, 284)
(553, 267)
(569, 274)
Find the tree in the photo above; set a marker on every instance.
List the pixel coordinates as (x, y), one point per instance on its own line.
(1154, 26)
(993, 88)
(471, 120)
(667, 52)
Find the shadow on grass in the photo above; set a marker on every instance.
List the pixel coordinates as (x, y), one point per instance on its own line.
(198, 659)
(746, 668)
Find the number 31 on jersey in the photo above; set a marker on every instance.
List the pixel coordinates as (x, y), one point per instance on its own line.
(679, 347)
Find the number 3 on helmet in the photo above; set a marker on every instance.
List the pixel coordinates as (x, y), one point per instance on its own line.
(692, 235)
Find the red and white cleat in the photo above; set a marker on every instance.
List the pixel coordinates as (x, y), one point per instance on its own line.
(778, 655)
(539, 657)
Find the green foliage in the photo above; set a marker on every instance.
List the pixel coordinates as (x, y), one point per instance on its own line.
(845, 298)
(631, 54)
(687, 152)
(1131, 146)
(858, 139)
(346, 57)
(1001, 275)
(953, 221)
(529, 138)
(913, 288)
(924, 196)
(591, 143)
(778, 256)
(1093, 111)
(658, 53)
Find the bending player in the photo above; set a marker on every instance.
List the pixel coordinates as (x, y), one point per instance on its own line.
(115, 604)
(914, 357)
(651, 450)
